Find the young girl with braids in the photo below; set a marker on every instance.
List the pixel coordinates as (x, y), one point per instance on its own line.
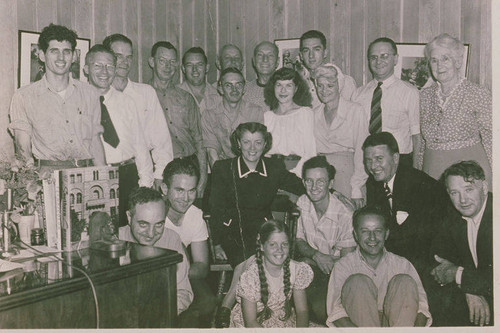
(266, 288)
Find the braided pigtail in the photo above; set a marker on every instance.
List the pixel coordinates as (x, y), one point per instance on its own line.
(264, 292)
(286, 283)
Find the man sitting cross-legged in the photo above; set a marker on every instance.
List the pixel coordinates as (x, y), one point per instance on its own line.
(372, 287)
(180, 180)
(146, 218)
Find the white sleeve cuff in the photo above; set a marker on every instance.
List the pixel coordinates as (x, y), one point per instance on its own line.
(458, 275)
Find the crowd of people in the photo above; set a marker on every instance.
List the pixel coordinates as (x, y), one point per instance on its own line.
(392, 183)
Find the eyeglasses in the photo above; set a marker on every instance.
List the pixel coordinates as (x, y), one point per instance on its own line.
(171, 62)
(319, 182)
(100, 67)
(383, 57)
(443, 60)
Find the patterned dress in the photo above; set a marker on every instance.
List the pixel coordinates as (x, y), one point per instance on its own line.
(301, 276)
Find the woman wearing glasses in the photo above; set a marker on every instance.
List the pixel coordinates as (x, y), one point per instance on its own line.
(455, 118)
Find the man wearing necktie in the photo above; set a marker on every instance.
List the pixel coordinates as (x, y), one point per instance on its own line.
(463, 248)
(390, 104)
(123, 140)
(414, 203)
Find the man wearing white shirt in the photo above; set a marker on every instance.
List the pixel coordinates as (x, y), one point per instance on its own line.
(180, 180)
(397, 103)
(464, 248)
(313, 54)
(123, 140)
(152, 120)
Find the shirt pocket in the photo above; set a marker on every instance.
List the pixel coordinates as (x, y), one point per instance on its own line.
(393, 121)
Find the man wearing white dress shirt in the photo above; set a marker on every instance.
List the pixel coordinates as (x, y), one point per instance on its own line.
(123, 140)
(152, 120)
(399, 101)
(464, 249)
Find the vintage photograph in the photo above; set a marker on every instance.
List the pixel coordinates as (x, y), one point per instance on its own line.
(289, 53)
(31, 68)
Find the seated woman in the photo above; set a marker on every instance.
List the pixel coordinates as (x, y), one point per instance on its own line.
(269, 285)
(242, 193)
(291, 120)
(340, 128)
(456, 114)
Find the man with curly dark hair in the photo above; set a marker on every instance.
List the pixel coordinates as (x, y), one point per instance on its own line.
(56, 120)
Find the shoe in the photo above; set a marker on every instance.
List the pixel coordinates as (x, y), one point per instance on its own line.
(222, 317)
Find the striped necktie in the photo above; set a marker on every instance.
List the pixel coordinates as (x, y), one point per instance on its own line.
(110, 136)
(388, 195)
(376, 111)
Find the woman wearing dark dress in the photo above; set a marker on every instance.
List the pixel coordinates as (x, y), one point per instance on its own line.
(243, 191)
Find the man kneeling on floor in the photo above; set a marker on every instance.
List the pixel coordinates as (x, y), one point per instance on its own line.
(146, 218)
(372, 287)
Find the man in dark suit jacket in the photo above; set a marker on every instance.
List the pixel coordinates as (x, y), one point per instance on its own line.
(464, 247)
(414, 203)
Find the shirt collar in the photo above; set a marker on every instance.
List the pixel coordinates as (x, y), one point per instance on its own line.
(109, 94)
(45, 85)
(244, 171)
(387, 82)
(390, 183)
(479, 216)
(363, 260)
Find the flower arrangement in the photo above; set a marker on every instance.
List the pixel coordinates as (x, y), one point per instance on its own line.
(25, 185)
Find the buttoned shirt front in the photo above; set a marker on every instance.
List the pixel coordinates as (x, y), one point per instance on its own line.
(400, 109)
(473, 224)
(171, 241)
(211, 96)
(60, 128)
(346, 133)
(153, 124)
(123, 114)
(183, 120)
(218, 124)
(389, 266)
(332, 232)
(254, 93)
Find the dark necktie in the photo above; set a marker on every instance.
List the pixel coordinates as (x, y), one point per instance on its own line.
(110, 136)
(388, 194)
(376, 111)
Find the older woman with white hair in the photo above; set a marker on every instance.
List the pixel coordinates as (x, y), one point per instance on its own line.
(456, 115)
(340, 129)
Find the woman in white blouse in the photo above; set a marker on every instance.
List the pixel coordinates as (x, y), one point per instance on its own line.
(340, 129)
(291, 120)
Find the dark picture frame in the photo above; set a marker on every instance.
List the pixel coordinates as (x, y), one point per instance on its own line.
(31, 69)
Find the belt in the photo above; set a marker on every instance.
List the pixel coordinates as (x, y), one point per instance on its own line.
(291, 157)
(129, 161)
(67, 164)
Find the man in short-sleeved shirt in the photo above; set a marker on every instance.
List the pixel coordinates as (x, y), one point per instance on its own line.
(149, 111)
(324, 230)
(195, 68)
(57, 119)
(180, 179)
(399, 102)
(218, 123)
(179, 107)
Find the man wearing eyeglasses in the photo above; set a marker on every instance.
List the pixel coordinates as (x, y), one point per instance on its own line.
(56, 120)
(123, 139)
(219, 122)
(324, 230)
(391, 105)
(180, 109)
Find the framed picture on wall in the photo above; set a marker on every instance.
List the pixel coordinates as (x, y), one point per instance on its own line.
(288, 52)
(413, 67)
(31, 69)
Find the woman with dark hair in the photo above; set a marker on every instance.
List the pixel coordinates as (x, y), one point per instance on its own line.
(272, 283)
(291, 120)
(456, 114)
(242, 193)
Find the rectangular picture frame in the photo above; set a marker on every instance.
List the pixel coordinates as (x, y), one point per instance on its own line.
(288, 52)
(31, 69)
(414, 68)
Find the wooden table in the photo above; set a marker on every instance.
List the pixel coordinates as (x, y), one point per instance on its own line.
(135, 288)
